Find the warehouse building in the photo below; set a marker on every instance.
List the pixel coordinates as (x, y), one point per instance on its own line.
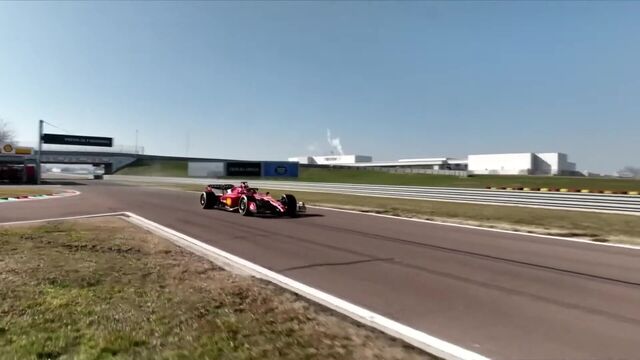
(521, 164)
(332, 159)
(485, 164)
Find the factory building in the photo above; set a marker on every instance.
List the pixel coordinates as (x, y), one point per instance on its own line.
(521, 164)
(485, 164)
(332, 159)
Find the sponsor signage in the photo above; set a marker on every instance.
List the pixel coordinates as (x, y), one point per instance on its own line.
(280, 169)
(9, 149)
(244, 169)
(61, 139)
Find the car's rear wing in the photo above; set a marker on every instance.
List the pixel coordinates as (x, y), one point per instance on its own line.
(221, 186)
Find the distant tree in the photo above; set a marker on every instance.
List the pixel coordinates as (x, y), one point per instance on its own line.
(6, 135)
(630, 171)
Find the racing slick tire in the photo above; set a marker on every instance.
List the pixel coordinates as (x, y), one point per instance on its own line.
(291, 205)
(208, 200)
(243, 206)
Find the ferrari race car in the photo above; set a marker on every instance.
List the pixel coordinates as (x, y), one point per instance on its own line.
(248, 201)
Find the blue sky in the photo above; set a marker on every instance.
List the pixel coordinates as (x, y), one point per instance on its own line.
(392, 79)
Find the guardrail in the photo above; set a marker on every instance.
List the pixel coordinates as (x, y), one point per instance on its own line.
(607, 203)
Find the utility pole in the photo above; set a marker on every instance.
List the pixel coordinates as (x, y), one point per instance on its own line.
(137, 141)
(38, 166)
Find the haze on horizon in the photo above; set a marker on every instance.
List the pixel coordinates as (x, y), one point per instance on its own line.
(389, 79)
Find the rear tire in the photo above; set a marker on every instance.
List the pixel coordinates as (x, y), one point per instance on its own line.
(291, 205)
(208, 200)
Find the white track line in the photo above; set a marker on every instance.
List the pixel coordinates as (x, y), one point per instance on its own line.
(61, 218)
(415, 337)
(231, 262)
(625, 246)
(488, 202)
(633, 247)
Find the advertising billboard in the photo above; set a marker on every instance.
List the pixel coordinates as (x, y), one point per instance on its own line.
(61, 139)
(280, 169)
(238, 168)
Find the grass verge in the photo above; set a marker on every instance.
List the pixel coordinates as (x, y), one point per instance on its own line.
(103, 288)
(177, 168)
(172, 168)
(22, 191)
(597, 227)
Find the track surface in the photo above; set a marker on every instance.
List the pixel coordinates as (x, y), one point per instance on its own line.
(502, 295)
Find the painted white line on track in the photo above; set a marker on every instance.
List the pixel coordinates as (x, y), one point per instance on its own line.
(625, 246)
(234, 263)
(602, 203)
(488, 202)
(61, 218)
(633, 247)
(412, 336)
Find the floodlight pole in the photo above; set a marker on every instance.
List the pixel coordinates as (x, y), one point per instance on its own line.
(38, 166)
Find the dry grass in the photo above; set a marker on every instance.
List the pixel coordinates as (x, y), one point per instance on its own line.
(103, 288)
(13, 191)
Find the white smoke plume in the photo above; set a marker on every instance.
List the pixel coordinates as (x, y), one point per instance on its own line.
(334, 142)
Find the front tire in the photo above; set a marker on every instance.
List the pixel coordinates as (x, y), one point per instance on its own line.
(243, 206)
(290, 204)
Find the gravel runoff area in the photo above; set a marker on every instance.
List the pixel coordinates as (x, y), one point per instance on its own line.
(102, 288)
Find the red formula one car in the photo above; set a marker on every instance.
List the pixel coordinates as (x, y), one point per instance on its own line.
(248, 201)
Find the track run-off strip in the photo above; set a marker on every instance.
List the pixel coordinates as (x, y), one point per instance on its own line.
(419, 339)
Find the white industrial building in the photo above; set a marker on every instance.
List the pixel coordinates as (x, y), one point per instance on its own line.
(484, 164)
(424, 163)
(521, 164)
(332, 159)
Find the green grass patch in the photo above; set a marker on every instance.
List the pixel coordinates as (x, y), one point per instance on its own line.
(103, 288)
(142, 167)
(11, 191)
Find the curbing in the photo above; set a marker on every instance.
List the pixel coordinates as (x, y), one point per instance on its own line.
(565, 190)
(421, 340)
(66, 193)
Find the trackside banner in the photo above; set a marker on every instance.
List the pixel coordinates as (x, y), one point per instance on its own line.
(61, 139)
(244, 168)
(279, 169)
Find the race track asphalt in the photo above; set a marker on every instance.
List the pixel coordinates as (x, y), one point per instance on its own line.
(503, 295)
